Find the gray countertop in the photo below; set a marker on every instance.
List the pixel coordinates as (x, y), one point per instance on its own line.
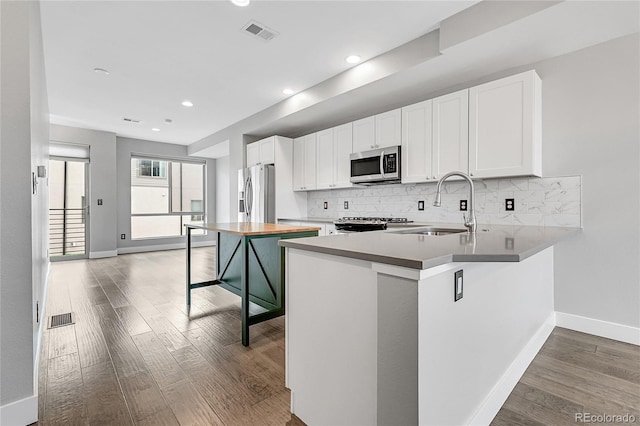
(492, 243)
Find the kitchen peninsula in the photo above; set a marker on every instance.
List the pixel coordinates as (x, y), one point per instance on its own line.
(427, 326)
(250, 264)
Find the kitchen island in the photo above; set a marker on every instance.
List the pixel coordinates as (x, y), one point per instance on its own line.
(250, 264)
(422, 329)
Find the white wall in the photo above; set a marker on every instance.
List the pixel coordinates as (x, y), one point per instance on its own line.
(23, 238)
(223, 182)
(590, 127)
(102, 152)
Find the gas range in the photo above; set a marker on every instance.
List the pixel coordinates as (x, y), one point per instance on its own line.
(363, 224)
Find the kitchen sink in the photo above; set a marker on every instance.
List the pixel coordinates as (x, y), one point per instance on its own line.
(430, 231)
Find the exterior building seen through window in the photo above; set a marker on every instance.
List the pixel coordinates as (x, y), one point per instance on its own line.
(165, 195)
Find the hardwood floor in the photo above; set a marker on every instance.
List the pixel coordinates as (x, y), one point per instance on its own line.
(574, 374)
(134, 356)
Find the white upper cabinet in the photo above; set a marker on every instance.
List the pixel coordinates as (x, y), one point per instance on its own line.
(325, 159)
(364, 134)
(450, 133)
(253, 154)
(378, 131)
(304, 163)
(343, 147)
(435, 138)
(504, 127)
(334, 147)
(415, 153)
(388, 129)
(261, 152)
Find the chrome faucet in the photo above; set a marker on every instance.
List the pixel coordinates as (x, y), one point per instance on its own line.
(469, 222)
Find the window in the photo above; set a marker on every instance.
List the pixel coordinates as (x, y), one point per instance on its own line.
(160, 207)
(152, 168)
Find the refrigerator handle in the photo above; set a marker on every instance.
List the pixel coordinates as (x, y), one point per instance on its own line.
(249, 197)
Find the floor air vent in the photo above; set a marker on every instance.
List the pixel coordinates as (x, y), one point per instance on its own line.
(261, 31)
(61, 320)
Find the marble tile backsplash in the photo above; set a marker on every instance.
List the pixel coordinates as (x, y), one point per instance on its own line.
(552, 201)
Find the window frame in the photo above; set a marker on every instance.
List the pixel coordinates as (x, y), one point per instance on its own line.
(169, 178)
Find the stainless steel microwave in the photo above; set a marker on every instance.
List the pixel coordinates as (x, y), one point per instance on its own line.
(376, 166)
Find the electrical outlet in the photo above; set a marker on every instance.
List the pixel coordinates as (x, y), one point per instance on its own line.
(123, 236)
(457, 285)
(346, 205)
(326, 205)
(509, 204)
(99, 201)
(508, 243)
(463, 205)
(420, 205)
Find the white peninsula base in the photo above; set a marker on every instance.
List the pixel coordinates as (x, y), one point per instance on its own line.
(375, 344)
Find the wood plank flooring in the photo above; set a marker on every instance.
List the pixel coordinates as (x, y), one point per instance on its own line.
(573, 374)
(134, 356)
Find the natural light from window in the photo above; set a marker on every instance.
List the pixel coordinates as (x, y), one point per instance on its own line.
(165, 195)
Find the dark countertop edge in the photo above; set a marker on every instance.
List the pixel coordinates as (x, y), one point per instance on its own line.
(429, 263)
(407, 263)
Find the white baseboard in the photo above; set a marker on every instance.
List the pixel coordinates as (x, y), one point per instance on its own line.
(610, 330)
(101, 254)
(20, 413)
(509, 380)
(174, 246)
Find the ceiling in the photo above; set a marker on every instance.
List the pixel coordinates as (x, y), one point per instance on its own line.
(160, 53)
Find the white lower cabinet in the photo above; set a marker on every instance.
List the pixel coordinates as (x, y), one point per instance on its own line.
(504, 127)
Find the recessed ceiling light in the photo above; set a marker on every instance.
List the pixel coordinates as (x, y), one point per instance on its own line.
(288, 92)
(186, 103)
(155, 129)
(241, 3)
(353, 59)
(101, 71)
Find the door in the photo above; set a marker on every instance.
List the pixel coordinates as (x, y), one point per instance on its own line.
(388, 129)
(68, 209)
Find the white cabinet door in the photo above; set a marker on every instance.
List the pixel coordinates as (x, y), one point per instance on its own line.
(298, 164)
(388, 129)
(416, 142)
(310, 161)
(504, 127)
(253, 154)
(342, 149)
(325, 159)
(261, 152)
(267, 150)
(364, 134)
(450, 133)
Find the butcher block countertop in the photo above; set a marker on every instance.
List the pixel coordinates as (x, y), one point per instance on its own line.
(252, 228)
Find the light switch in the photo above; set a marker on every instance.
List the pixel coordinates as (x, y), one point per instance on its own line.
(99, 201)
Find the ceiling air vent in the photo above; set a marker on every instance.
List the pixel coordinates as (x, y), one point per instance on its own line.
(261, 31)
(130, 120)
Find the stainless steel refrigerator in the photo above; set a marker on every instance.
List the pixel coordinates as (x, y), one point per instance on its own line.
(257, 194)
